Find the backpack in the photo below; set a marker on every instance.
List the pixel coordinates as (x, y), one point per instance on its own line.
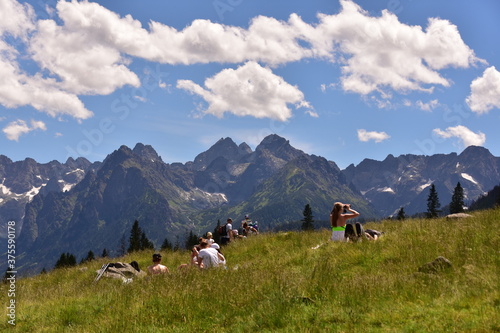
(222, 231)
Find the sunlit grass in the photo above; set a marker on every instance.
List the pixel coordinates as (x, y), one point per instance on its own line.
(279, 283)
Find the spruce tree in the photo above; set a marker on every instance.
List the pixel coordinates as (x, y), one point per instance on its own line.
(433, 203)
(177, 245)
(90, 256)
(191, 240)
(401, 214)
(457, 200)
(166, 245)
(104, 253)
(135, 238)
(145, 242)
(62, 261)
(307, 221)
(66, 260)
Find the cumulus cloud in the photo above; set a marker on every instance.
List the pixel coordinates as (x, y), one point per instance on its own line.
(83, 62)
(249, 90)
(16, 19)
(267, 39)
(382, 52)
(19, 127)
(365, 136)
(485, 92)
(19, 89)
(467, 137)
(88, 50)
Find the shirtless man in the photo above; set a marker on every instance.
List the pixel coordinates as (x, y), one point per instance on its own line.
(157, 267)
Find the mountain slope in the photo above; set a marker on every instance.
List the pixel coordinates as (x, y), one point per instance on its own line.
(403, 181)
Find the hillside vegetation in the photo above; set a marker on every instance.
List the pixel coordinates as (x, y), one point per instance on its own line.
(280, 283)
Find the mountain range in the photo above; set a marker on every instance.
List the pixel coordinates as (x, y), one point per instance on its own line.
(80, 206)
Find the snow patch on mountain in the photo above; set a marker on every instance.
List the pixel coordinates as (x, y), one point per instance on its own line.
(468, 177)
(424, 186)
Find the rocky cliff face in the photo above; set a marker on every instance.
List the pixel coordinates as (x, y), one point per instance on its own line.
(21, 181)
(403, 181)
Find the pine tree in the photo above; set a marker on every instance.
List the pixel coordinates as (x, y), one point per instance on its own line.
(191, 240)
(177, 245)
(401, 214)
(90, 256)
(104, 253)
(433, 203)
(71, 259)
(62, 261)
(44, 271)
(135, 238)
(66, 260)
(166, 245)
(145, 242)
(307, 221)
(457, 200)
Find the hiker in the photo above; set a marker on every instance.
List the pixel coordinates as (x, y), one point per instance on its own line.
(157, 267)
(338, 219)
(228, 236)
(209, 257)
(248, 230)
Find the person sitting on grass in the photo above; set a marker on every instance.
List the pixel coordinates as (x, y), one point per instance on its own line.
(157, 267)
(248, 230)
(338, 219)
(209, 257)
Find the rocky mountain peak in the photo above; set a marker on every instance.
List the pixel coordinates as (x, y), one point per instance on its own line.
(279, 147)
(146, 152)
(475, 152)
(225, 147)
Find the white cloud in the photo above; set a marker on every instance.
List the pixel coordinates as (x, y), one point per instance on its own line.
(83, 62)
(88, 50)
(365, 136)
(19, 89)
(381, 52)
(468, 137)
(485, 92)
(15, 19)
(19, 127)
(431, 105)
(312, 113)
(249, 90)
(267, 39)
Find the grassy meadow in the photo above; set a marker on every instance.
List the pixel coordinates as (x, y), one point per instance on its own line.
(279, 283)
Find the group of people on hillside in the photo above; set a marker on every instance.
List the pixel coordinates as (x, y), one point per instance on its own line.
(248, 228)
(207, 253)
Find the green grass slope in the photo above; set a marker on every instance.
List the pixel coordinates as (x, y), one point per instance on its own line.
(279, 283)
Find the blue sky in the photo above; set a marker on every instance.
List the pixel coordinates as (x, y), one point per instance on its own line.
(345, 80)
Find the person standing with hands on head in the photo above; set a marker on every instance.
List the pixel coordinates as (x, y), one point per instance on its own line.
(338, 219)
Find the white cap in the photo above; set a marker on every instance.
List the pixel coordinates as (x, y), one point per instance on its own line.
(215, 246)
